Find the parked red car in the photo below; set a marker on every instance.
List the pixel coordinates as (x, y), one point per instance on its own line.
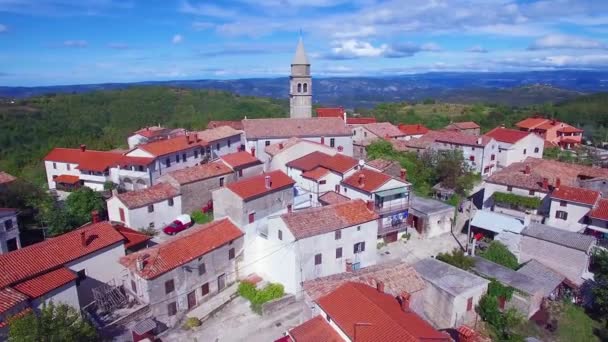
(182, 222)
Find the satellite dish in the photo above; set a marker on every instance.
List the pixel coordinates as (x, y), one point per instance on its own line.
(361, 162)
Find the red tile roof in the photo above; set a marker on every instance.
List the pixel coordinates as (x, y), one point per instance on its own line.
(274, 149)
(6, 178)
(578, 195)
(413, 129)
(355, 303)
(321, 220)
(340, 163)
(315, 330)
(570, 129)
(55, 252)
(132, 236)
(46, 283)
(239, 160)
(459, 138)
(531, 123)
(144, 197)
(332, 197)
(316, 173)
(371, 181)
(360, 120)
(17, 315)
(384, 130)
(309, 161)
(253, 187)
(380, 164)
(199, 172)
(172, 145)
(90, 160)
(66, 179)
(189, 245)
(219, 123)
(510, 136)
(287, 128)
(545, 124)
(330, 112)
(464, 125)
(600, 211)
(222, 132)
(152, 131)
(10, 298)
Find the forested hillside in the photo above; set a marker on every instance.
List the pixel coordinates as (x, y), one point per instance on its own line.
(103, 120)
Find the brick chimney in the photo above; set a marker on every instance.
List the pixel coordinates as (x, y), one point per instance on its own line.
(558, 183)
(83, 147)
(380, 286)
(322, 140)
(253, 151)
(361, 180)
(370, 205)
(349, 265)
(403, 174)
(267, 182)
(95, 216)
(83, 239)
(405, 302)
(545, 183)
(280, 146)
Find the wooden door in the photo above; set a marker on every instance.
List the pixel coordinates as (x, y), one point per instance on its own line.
(191, 300)
(221, 282)
(121, 212)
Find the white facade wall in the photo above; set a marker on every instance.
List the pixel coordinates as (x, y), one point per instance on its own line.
(227, 145)
(346, 142)
(491, 188)
(138, 218)
(66, 294)
(6, 235)
(445, 310)
(159, 167)
(530, 146)
(482, 155)
(100, 267)
(440, 223)
(575, 221)
(57, 169)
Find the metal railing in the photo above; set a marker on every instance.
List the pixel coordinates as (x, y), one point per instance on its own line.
(389, 208)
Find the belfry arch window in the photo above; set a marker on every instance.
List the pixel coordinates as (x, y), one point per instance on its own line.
(299, 87)
(306, 87)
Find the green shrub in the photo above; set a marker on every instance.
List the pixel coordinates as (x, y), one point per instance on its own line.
(379, 245)
(191, 323)
(500, 254)
(457, 258)
(517, 201)
(259, 297)
(247, 291)
(199, 217)
(149, 231)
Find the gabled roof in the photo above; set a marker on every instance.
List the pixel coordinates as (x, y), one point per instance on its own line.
(380, 164)
(545, 124)
(315, 329)
(600, 211)
(413, 129)
(459, 138)
(506, 135)
(570, 129)
(339, 163)
(332, 197)
(6, 178)
(132, 236)
(176, 144)
(213, 134)
(187, 246)
(464, 125)
(531, 123)
(370, 182)
(55, 252)
(253, 187)
(354, 303)
(315, 174)
(547, 277)
(301, 128)
(43, 284)
(90, 160)
(152, 131)
(337, 112)
(577, 195)
(144, 197)
(507, 276)
(309, 161)
(360, 120)
(240, 160)
(558, 236)
(199, 172)
(10, 298)
(321, 220)
(384, 129)
(274, 149)
(236, 124)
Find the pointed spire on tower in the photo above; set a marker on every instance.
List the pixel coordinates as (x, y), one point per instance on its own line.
(300, 57)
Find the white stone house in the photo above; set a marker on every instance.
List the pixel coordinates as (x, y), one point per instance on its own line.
(316, 242)
(243, 164)
(9, 230)
(191, 270)
(154, 207)
(223, 140)
(151, 133)
(570, 206)
(480, 153)
(377, 130)
(515, 146)
(429, 217)
(280, 154)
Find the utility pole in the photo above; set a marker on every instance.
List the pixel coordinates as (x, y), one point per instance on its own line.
(469, 225)
(359, 325)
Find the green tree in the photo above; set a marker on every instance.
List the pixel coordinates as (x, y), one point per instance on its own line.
(81, 203)
(59, 322)
(500, 254)
(600, 287)
(457, 258)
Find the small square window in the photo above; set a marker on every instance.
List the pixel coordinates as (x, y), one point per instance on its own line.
(8, 225)
(231, 254)
(524, 151)
(359, 247)
(509, 188)
(195, 154)
(280, 233)
(251, 217)
(561, 215)
(177, 159)
(217, 147)
(323, 181)
(151, 225)
(167, 162)
(563, 203)
(318, 259)
(338, 234)
(151, 208)
(531, 192)
(338, 252)
(332, 142)
(170, 201)
(536, 150)
(169, 286)
(358, 228)
(205, 289)
(240, 173)
(267, 143)
(202, 269)
(172, 309)
(69, 167)
(229, 143)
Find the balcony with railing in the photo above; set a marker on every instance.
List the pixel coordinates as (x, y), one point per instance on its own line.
(391, 201)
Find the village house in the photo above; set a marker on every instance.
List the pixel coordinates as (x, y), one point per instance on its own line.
(555, 133)
(236, 124)
(554, 284)
(316, 242)
(418, 145)
(479, 152)
(429, 217)
(356, 311)
(196, 183)
(191, 270)
(65, 269)
(339, 112)
(243, 164)
(515, 146)
(451, 294)
(332, 197)
(598, 223)
(152, 208)
(291, 149)
(389, 197)
(413, 131)
(377, 130)
(222, 140)
(569, 207)
(9, 230)
(390, 167)
(466, 127)
(152, 133)
(332, 132)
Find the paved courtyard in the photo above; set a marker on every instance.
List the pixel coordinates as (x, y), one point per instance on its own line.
(417, 249)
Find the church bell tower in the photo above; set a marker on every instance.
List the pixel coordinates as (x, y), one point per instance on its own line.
(300, 85)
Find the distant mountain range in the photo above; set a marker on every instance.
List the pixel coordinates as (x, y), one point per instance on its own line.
(509, 88)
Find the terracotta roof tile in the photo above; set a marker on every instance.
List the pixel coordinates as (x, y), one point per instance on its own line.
(578, 195)
(132, 236)
(316, 173)
(141, 198)
(384, 130)
(189, 245)
(570, 129)
(545, 124)
(287, 128)
(199, 172)
(600, 211)
(321, 220)
(413, 129)
(340, 163)
(531, 123)
(397, 277)
(309, 161)
(219, 123)
(46, 283)
(510, 136)
(222, 132)
(167, 146)
(239, 160)
(332, 197)
(464, 125)
(9, 298)
(253, 187)
(360, 120)
(6, 178)
(354, 303)
(370, 182)
(52, 253)
(274, 149)
(459, 138)
(380, 164)
(330, 112)
(138, 161)
(90, 160)
(66, 179)
(315, 329)
(152, 131)
(17, 315)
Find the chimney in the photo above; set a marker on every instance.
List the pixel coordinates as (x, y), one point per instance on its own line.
(349, 265)
(83, 147)
(466, 334)
(527, 170)
(545, 183)
(405, 302)
(370, 205)
(403, 174)
(83, 239)
(267, 182)
(479, 141)
(280, 146)
(253, 151)
(95, 216)
(322, 140)
(380, 286)
(361, 180)
(558, 182)
(289, 208)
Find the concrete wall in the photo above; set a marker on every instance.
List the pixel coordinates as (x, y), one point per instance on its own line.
(58, 168)
(445, 310)
(159, 167)
(346, 142)
(66, 294)
(435, 224)
(228, 204)
(482, 155)
(140, 217)
(576, 213)
(196, 195)
(216, 263)
(226, 145)
(530, 146)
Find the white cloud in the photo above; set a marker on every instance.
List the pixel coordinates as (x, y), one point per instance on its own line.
(75, 43)
(177, 39)
(353, 48)
(62, 8)
(3, 28)
(477, 49)
(562, 41)
(207, 10)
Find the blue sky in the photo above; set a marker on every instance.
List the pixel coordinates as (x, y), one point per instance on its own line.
(47, 42)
